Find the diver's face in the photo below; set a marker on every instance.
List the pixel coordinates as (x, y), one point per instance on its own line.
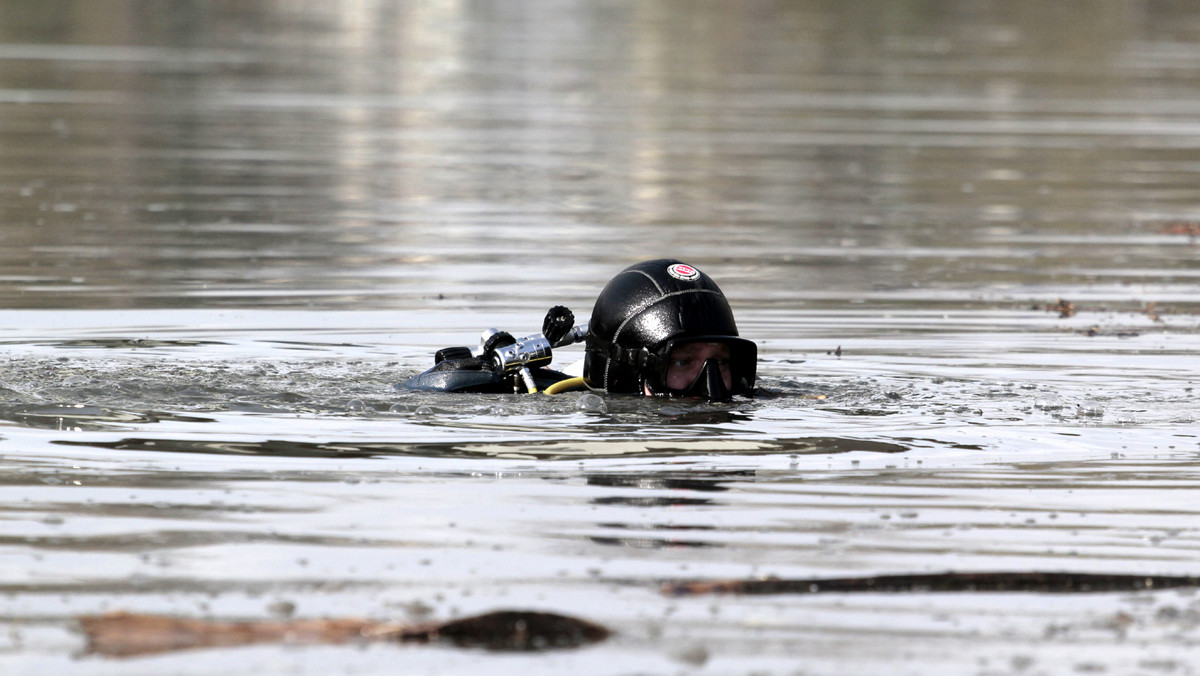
(686, 361)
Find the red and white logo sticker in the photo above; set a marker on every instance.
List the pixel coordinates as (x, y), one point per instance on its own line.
(683, 272)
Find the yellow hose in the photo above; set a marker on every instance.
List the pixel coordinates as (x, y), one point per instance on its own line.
(563, 385)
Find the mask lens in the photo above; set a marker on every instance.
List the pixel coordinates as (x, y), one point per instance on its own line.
(711, 367)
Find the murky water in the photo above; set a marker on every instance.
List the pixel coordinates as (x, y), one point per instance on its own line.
(962, 233)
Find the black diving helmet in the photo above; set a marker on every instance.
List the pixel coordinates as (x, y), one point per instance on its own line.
(652, 317)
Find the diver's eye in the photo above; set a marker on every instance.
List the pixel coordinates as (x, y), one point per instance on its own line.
(681, 363)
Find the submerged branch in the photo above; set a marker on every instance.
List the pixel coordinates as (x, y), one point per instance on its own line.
(940, 582)
(121, 634)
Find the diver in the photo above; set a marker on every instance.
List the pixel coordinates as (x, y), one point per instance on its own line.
(659, 328)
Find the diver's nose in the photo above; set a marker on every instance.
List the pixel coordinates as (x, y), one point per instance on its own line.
(714, 384)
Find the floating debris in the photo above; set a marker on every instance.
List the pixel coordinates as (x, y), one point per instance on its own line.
(1064, 308)
(511, 631)
(1093, 331)
(1054, 583)
(122, 634)
(1189, 228)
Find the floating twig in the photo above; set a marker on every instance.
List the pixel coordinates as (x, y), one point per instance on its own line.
(1062, 583)
(121, 634)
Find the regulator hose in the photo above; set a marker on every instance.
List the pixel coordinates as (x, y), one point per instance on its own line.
(563, 385)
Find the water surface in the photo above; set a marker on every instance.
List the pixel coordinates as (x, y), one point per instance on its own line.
(962, 234)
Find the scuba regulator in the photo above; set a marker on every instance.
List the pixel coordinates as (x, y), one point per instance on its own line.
(501, 363)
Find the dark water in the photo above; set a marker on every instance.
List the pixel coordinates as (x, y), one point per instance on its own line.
(962, 233)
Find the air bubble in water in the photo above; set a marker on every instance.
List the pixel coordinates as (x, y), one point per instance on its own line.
(1048, 402)
(591, 403)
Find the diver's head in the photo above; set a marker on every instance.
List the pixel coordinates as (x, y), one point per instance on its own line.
(662, 327)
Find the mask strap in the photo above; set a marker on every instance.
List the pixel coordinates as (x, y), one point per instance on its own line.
(638, 358)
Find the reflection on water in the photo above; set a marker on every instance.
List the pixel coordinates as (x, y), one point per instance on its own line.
(962, 233)
(367, 155)
(76, 417)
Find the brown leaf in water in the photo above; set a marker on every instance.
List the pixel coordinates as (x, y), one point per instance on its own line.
(121, 634)
(940, 582)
